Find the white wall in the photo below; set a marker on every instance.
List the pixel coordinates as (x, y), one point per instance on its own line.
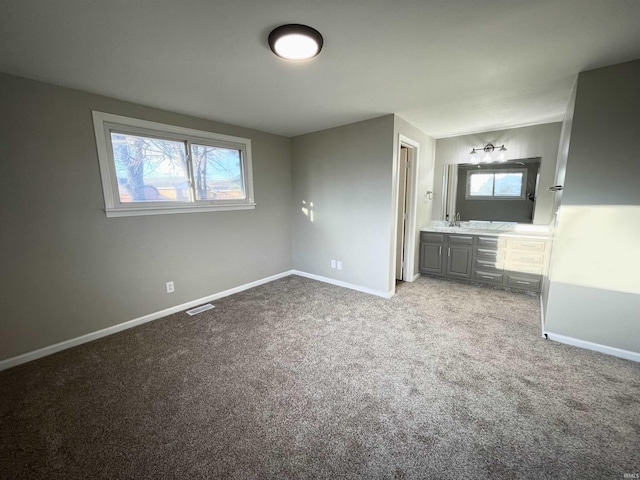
(68, 270)
(594, 291)
(525, 142)
(342, 209)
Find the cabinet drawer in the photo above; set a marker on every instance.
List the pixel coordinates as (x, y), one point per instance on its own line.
(489, 254)
(494, 242)
(526, 269)
(526, 258)
(427, 237)
(460, 239)
(527, 244)
(522, 281)
(488, 265)
(491, 277)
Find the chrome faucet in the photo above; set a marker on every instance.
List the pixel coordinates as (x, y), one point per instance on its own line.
(455, 222)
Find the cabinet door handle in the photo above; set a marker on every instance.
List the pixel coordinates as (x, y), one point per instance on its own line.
(439, 251)
(523, 283)
(449, 252)
(486, 276)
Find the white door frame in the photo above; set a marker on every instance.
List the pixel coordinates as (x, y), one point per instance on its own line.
(413, 153)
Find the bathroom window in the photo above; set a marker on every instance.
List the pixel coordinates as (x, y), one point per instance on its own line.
(149, 168)
(497, 184)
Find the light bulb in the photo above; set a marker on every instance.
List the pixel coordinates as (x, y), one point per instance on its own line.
(502, 157)
(296, 47)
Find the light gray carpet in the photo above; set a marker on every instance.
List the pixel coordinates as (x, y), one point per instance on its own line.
(299, 379)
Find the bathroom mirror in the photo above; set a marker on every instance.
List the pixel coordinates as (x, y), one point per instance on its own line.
(496, 192)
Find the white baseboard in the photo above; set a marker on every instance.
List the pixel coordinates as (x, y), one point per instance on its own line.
(616, 352)
(43, 352)
(416, 276)
(340, 283)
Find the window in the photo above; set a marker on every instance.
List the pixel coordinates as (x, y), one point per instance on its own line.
(496, 184)
(149, 168)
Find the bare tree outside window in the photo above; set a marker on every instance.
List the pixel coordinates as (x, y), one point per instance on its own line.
(148, 168)
(217, 173)
(153, 170)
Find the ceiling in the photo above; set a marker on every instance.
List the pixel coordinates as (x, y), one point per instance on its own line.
(448, 67)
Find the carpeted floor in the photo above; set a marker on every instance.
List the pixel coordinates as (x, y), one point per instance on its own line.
(299, 379)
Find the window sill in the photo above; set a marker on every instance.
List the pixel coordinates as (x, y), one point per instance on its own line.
(164, 210)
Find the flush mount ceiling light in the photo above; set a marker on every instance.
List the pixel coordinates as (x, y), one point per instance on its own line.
(488, 151)
(295, 42)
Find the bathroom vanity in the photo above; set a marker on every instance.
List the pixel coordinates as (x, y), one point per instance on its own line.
(509, 258)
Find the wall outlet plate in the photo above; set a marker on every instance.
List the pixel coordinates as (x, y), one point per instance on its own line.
(170, 287)
(333, 264)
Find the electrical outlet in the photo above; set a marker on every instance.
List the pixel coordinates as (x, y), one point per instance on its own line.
(339, 265)
(333, 264)
(170, 287)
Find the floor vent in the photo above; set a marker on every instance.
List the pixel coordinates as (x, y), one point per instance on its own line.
(200, 309)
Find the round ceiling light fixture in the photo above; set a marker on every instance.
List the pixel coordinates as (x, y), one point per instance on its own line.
(295, 42)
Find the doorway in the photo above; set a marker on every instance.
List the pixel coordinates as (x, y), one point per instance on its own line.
(404, 237)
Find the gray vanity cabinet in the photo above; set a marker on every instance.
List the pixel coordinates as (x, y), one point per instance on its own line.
(431, 246)
(449, 255)
(488, 259)
(459, 255)
(525, 263)
(513, 262)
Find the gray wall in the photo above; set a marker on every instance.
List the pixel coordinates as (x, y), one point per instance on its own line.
(594, 291)
(525, 142)
(67, 270)
(346, 173)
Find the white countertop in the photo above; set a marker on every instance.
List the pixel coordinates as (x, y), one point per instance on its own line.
(463, 230)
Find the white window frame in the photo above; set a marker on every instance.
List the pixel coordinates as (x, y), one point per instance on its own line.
(105, 123)
(523, 187)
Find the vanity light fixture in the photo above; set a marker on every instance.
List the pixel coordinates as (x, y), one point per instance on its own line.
(295, 42)
(488, 151)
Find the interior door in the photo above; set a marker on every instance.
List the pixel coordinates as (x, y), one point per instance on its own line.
(402, 212)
